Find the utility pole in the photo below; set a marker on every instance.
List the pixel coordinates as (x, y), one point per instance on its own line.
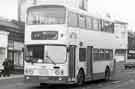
(21, 7)
(19, 10)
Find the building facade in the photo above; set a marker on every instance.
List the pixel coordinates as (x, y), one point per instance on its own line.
(131, 40)
(14, 40)
(131, 47)
(121, 33)
(3, 47)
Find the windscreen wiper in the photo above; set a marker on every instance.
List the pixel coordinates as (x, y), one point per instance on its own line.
(51, 60)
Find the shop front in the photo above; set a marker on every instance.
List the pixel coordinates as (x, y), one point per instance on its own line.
(3, 47)
(15, 53)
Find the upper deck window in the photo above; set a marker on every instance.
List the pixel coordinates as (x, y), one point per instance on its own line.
(89, 22)
(95, 24)
(46, 15)
(82, 21)
(107, 26)
(72, 19)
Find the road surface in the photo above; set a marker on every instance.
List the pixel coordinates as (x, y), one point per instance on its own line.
(124, 79)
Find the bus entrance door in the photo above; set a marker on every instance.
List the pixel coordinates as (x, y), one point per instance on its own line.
(72, 54)
(89, 63)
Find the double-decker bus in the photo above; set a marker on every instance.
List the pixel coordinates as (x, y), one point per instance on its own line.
(65, 45)
(130, 62)
(131, 54)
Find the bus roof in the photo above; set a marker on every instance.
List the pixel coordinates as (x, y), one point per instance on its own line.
(79, 11)
(94, 15)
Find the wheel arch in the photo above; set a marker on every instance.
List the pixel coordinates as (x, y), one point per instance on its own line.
(107, 67)
(107, 73)
(81, 69)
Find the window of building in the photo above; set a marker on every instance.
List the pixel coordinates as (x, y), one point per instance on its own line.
(16, 58)
(72, 19)
(82, 54)
(2, 54)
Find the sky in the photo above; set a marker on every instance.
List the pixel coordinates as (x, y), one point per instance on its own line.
(8, 9)
(119, 9)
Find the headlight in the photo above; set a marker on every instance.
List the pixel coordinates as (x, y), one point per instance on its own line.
(40, 61)
(57, 72)
(31, 71)
(27, 59)
(26, 71)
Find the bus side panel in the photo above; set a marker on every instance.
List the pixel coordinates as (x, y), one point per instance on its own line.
(99, 69)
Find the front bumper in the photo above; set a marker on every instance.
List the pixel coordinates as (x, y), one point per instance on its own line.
(48, 80)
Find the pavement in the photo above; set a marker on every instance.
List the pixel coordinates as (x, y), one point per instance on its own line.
(12, 76)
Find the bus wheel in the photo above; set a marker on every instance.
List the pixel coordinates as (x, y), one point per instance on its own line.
(107, 74)
(80, 78)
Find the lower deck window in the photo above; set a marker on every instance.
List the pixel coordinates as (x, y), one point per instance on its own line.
(102, 54)
(49, 54)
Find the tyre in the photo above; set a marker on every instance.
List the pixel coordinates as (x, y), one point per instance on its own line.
(126, 67)
(80, 78)
(107, 74)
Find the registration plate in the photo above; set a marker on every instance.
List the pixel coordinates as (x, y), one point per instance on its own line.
(43, 78)
(43, 72)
